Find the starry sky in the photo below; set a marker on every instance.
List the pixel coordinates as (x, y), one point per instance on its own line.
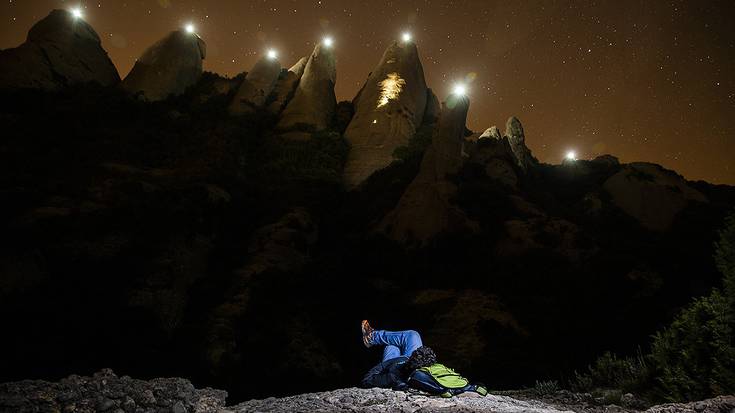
(648, 80)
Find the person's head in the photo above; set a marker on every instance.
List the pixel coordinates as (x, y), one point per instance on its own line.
(421, 357)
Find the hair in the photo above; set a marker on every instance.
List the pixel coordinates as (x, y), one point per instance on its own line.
(421, 357)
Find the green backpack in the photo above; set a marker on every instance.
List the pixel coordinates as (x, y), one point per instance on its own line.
(441, 380)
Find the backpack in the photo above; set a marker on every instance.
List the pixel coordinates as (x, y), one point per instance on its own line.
(440, 380)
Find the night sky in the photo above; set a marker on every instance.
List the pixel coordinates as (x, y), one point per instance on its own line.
(643, 80)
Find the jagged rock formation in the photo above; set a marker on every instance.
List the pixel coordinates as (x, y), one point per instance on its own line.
(281, 247)
(168, 67)
(60, 50)
(425, 210)
(258, 84)
(105, 391)
(313, 105)
(496, 156)
(388, 109)
(517, 139)
(285, 86)
(651, 194)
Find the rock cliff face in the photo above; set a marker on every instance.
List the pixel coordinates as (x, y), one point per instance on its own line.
(168, 67)
(517, 139)
(425, 210)
(60, 50)
(496, 157)
(285, 86)
(313, 105)
(258, 84)
(651, 194)
(388, 109)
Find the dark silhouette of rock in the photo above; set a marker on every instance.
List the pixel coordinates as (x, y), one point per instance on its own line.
(60, 51)
(388, 109)
(494, 153)
(517, 139)
(258, 84)
(286, 85)
(168, 67)
(313, 104)
(433, 107)
(425, 209)
(651, 194)
(280, 247)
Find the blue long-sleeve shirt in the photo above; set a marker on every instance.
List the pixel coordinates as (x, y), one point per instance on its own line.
(387, 374)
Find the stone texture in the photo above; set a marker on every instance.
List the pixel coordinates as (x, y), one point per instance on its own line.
(104, 391)
(257, 86)
(388, 109)
(496, 156)
(313, 104)
(651, 194)
(286, 85)
(517, 139)
(168, 67)
(425, 209)
(60, 51)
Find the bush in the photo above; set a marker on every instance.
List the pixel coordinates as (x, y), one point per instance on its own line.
(691, 359)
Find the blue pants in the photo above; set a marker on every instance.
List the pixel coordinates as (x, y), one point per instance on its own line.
(397, 343)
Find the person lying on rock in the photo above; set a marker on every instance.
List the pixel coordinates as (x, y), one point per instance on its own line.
(402, 355)
(408, 364)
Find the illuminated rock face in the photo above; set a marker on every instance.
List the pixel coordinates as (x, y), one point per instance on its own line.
(651, 194)
(517, 139)
(285, 86)
(388, 110)
(258, 84)
(60, 50)
(495, 155)
(167, 68)
(313, 105)
(425, 209)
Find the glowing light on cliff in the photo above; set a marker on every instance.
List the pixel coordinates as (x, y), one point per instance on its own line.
(77, 13)
(189, 28)
(406, 37)
(390, 88)
(571, 156)
(328, 41)
(459, 89)
(272, 54)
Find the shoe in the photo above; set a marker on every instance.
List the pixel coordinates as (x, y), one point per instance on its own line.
(367, 333)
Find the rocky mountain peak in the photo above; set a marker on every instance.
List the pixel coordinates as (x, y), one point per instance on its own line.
(388, 109)
(60, 50)
(314, 103)
(257, 86)
(517, 139)
(168, 67)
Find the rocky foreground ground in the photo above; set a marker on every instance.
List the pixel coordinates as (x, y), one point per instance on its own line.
(106, 392)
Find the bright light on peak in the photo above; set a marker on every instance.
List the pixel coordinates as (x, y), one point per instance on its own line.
(328, 41)
(272, 54)
(571, 155)
(77, 13)
(459, 89)
(406, 37)
(189, 28)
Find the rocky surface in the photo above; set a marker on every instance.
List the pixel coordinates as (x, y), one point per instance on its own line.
(168, 67)
(517, 138)
(106, 392)
(388, 109)
(60, 51)
(286, 85)
(651, 194)
(313, 105)
(257, 86)
(425, 210)
(496, 157)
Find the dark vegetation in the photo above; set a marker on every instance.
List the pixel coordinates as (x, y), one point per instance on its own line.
(122, 224)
